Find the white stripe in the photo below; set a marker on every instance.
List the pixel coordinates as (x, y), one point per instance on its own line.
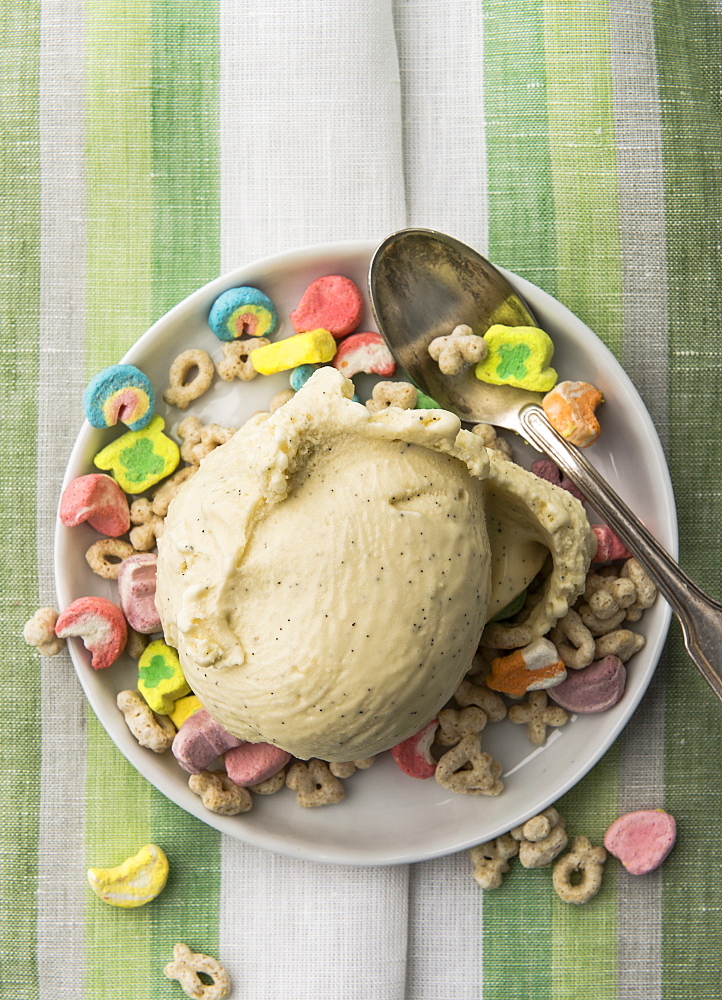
(441, 55)
(445, 930)
(61, 891)
(310, 139)
(310, 931)
(309, 156)
(644, 290)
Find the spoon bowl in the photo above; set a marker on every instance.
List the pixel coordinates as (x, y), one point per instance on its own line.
(422, 284)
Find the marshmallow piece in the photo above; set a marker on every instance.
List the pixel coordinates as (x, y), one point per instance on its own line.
(100, 624)
(133, 883)
(242, 312)
(641, 840)
(592, 689)
(546, 469)
(119, 393)
(299, 376)
(609, 545)
(519, 356)
(140, 459)
(97, 499)
(184, 708)
(251, 763)
(364, 352)
(200, 740)
(332, 302)
(570, 407)
(136, 590)
(533, 668)
(160, 677)
(413, 755)
(314, 347)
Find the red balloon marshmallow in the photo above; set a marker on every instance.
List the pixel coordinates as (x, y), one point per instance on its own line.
(97, 499)
(100, 624)
(642, 839)
(332, 302)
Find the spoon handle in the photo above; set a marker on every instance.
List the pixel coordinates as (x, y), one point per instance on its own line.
(699, 615)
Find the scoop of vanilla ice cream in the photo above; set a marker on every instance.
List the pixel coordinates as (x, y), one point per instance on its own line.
(325, 575)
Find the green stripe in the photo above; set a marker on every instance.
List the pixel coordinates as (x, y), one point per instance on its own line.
(186, 254)
(118, 307)
(517, 919)
(688, 38)
(584, 169)
(119, 177)
(521, 207)
(553, 217)
(586, 205)
(153, 236)
(20, 731)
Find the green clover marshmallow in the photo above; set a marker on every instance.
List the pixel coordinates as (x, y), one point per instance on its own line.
(160, 677)
(519, 356)
(140, 459)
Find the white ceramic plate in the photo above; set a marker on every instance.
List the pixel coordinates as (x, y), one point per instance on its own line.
(386, 817)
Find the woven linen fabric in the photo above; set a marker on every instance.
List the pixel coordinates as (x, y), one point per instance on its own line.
(150, 146)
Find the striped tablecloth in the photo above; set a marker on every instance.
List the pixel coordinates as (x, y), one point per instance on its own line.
(150, 145)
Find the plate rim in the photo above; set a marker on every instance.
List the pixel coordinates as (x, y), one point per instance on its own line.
(139, 757)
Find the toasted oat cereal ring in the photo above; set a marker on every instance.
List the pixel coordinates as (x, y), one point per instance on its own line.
(251, 763)
(242, 312)
(140, 459)
(200, 740)
(641, 840)
(156, 732)
(595, 688)
(97, 499)
(332, 302)
(100, 624)
(163, 495)
(386, 394)
(519, 356)
(39, 631)
(147, 526)
(314, 784)
(313, 347)
(537, 716)
(160, 677)
(413, 755)
(219, 794)
(237, 362)
(136, 591)
(188, 967)
(189, 377)
(466, 769)
(458, 349)
(577, 876)
(120, 393)
(570, 407)
(106, 556)
(364, 352)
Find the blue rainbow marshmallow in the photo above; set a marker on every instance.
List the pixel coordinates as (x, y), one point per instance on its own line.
(119, 393)
(300, 375)
(241, 312)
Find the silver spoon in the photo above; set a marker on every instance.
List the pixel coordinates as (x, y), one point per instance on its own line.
(422, 284)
